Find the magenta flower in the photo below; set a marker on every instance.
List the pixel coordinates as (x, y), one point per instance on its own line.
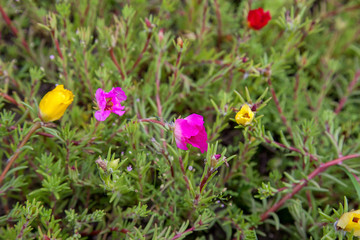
(109, 102)
(191, 130)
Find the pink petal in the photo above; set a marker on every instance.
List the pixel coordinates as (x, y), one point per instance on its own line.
(187, 129)
(191, 130)
(200, 140)
(100, 96)
(195, 119)
(101, 115)
(118, 109)
(179, 139)
(118, 94)
(180, 143)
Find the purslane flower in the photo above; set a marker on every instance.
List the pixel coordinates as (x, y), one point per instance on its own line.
(245, 115)
(109, 102)
(350, 221)
(191, 130)
(53, 105)
(257, 18)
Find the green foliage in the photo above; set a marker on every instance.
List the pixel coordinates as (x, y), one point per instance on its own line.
(290, 174)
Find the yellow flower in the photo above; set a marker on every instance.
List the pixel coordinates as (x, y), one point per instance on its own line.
(245, 115)
(53, 105)
(350, 221)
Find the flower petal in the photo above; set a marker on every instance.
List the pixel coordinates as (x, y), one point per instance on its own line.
(118, 94)
(199, 141)
(191, 130)
(195, 119)
(102, 115)
(100, 96)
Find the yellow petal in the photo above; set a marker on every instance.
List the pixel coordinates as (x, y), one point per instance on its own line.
(245, 115)
(350, 221)
(53, 105)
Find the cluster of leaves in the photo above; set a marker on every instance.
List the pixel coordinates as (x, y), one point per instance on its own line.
(125, 178)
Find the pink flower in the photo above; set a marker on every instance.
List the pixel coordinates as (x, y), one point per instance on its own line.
(109, 102)
(191, 130)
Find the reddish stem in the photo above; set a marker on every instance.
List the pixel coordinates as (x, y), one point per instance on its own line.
(153, 121)
(296, 87)
(158, 101)
(349, 90)
(142, 53)
(205, 179)
(87, 73)
(238, 163)
(305, 181)
(12, 159)
(57, 45)
(312, 157)
(218, 16)
(180, 234)
(203, 23)
(184, 173)
(13, 29)
(8, 98)
(177, 68)
(344, 9)
(277, 103)
(113, 58)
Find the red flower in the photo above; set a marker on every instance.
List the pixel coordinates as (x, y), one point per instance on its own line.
(257, 18)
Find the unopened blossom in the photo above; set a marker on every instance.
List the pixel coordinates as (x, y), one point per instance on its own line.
(109, 102)
(191, 130)
(245, 115)
(215, 159)
(257, 18)
(53, 105)
(350, 221)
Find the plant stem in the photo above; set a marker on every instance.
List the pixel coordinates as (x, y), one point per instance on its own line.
(277, 103)
(142, 53)
(218, 17)
(180, 234)
(177, 68)
(153, 121)
(240, 161)
(312, 157)
(113, 58)
(35, 127)
(349, 90)
(13, 29)
(184, 173)
(305, 181)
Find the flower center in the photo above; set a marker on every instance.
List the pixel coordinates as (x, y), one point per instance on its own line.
(246, 115)
(109, 104)
(356, 220)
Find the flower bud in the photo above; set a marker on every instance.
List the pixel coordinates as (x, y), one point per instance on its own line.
(215, 159)
(53, 105)
(245, 115)
(102, 164)
(149, 24)
(161, 35)
(180, 42)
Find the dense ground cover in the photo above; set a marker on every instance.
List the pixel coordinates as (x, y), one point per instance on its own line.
(194, 119)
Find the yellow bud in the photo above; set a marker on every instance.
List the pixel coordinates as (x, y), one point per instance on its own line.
(350, 221)
(245, 115)
(180, 42)
(53, 105)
